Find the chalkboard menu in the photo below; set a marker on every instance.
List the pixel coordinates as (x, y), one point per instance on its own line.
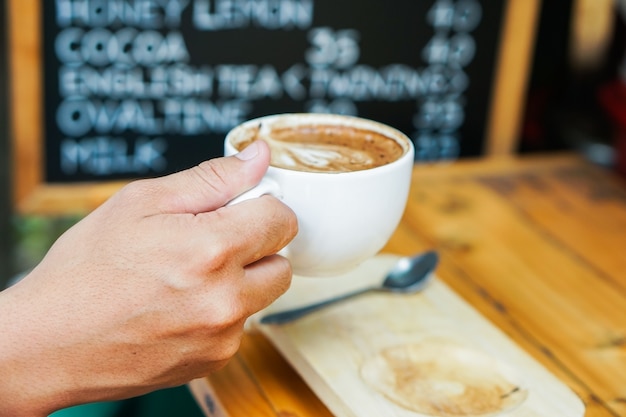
(148, 87)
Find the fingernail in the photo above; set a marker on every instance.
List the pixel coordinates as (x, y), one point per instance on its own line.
(249, 152)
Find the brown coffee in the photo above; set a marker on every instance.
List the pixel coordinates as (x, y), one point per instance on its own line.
(325, 147)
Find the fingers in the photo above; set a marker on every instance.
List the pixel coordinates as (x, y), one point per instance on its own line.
(236, 249)
(265, 281)
(209, 185)
(248, 231)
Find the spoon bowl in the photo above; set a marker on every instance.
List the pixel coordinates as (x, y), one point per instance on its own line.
(409, 274)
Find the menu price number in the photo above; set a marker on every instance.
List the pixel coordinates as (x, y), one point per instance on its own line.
(333, 48)
(452, 48)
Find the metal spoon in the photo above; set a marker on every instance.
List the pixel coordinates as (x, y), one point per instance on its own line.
(409, 274)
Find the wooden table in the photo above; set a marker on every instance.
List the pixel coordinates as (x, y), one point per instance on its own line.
(537, 245)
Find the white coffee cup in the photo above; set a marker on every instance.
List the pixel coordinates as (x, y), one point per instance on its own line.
(343, 218)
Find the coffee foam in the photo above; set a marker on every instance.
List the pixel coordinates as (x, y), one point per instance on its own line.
(325, 147)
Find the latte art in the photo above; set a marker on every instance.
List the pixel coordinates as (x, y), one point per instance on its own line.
(325, 148)
(319, 157)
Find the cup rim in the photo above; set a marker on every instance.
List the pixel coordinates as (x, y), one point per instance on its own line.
(336, 119)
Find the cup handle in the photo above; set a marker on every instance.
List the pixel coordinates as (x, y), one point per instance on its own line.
(267, 186)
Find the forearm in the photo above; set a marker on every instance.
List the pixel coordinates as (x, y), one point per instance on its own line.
(28, 386)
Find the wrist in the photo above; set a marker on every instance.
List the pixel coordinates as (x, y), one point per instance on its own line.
(26, 386)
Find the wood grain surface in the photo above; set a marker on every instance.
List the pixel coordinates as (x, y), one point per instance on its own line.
(536, 245)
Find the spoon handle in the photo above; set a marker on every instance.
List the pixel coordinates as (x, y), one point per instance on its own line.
(289, 315)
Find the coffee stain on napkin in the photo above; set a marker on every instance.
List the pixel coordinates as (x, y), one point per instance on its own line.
(444, 379)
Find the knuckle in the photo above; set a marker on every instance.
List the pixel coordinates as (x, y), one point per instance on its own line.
(220, 257)
(226, 312)
(130, 196)
(230, 348)
(216, 365)
(283, 274)
(135, 189)
(283, 224)
(292, 224)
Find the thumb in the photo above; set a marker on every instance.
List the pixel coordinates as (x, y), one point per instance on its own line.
(212, 183)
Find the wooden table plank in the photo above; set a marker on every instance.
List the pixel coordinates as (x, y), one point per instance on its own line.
(571, 214)
(257, 353)
(551, 292)
(232, 391)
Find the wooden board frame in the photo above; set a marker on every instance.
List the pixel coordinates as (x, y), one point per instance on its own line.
(33, 196)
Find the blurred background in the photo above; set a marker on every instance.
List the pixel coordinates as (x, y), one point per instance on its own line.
(573, 100)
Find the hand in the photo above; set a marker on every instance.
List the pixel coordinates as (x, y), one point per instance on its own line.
(150, 290)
